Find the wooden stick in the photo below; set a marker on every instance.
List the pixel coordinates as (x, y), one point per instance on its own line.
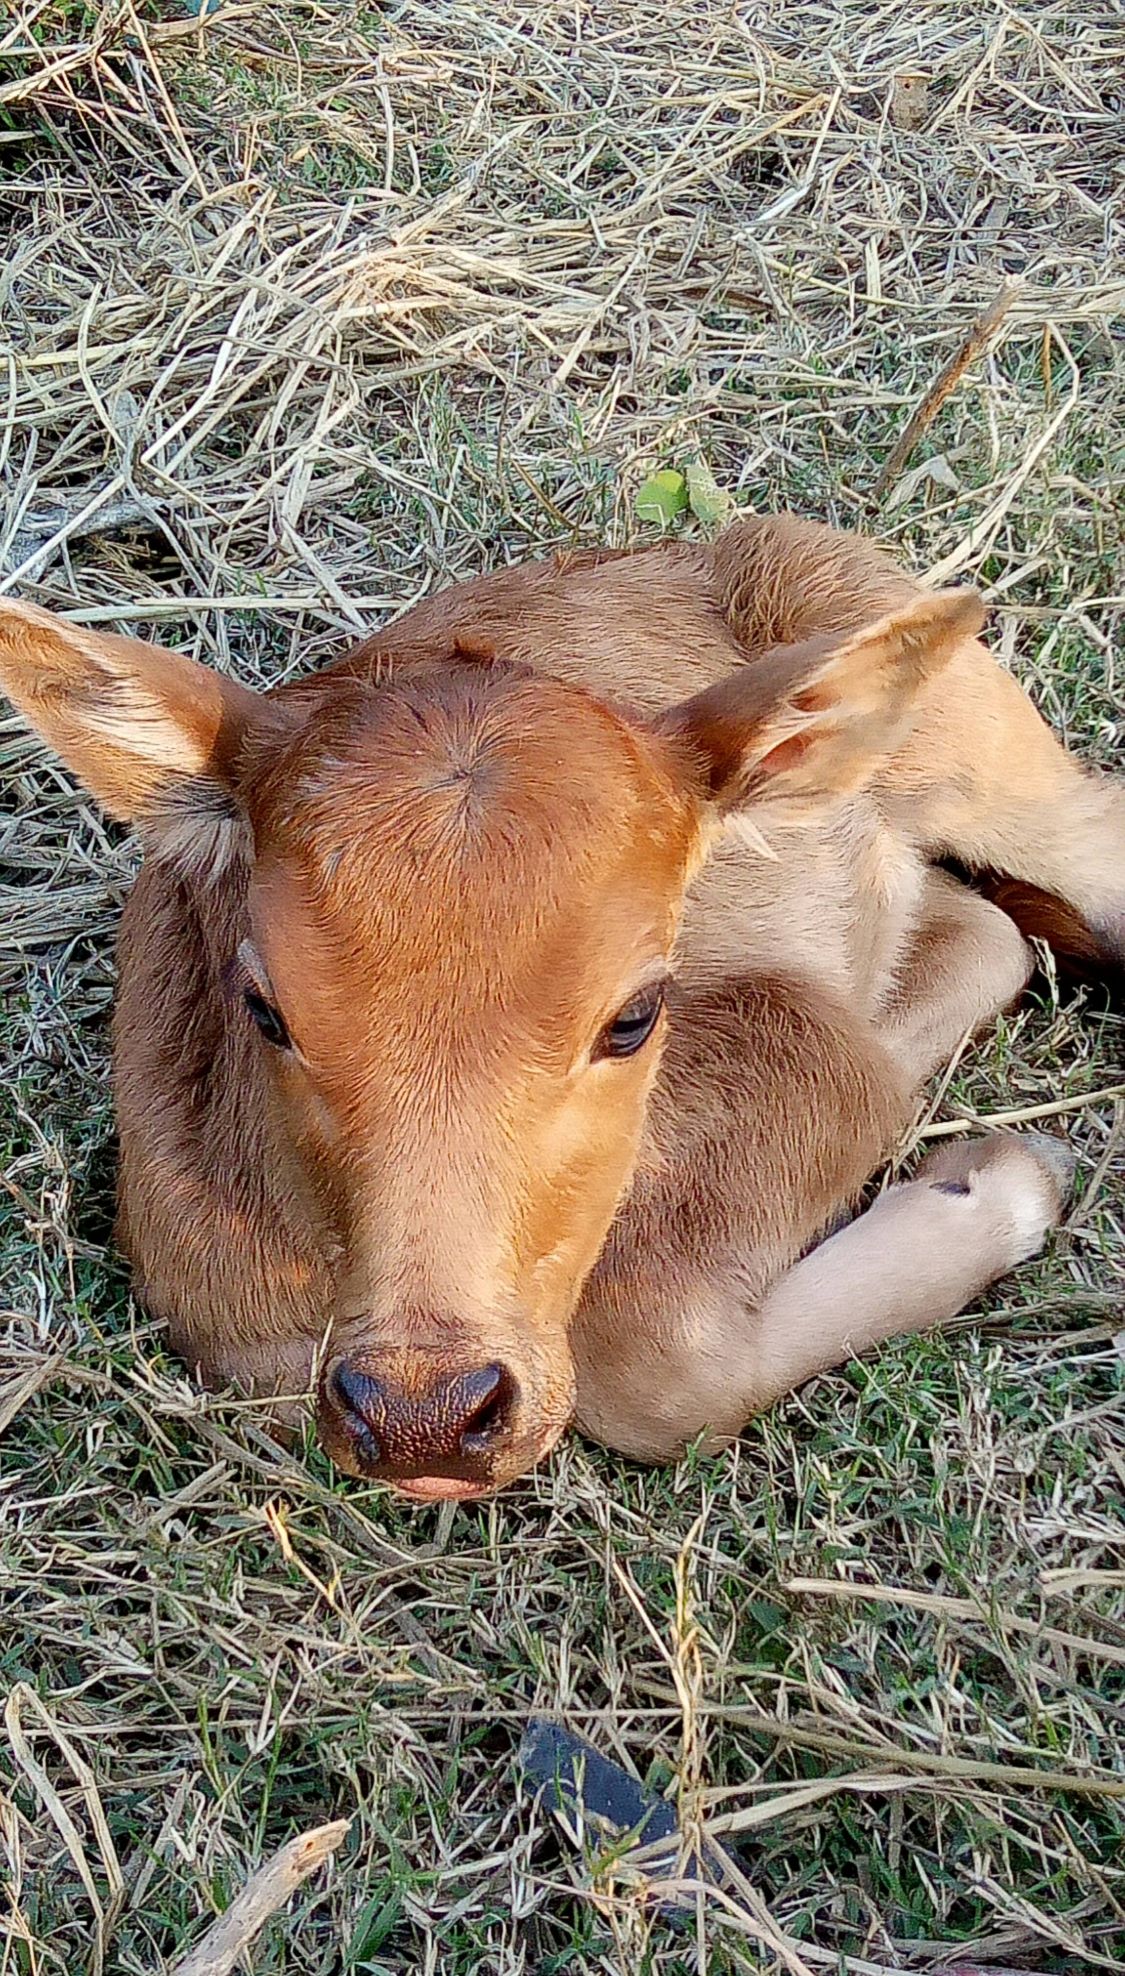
(261, 1897)
(978, 338)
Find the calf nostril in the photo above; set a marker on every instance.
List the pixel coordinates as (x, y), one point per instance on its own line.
(356, 1394)
(491, 1393)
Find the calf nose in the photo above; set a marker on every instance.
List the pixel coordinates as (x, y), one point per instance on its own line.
(447, 1426)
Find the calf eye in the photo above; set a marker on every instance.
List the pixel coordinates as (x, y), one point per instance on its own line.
(269, 1020)
(633, 1025)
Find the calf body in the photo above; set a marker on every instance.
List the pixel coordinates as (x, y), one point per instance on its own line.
(506, 1014)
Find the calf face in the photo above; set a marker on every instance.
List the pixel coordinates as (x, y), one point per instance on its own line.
(460, 923)
(458, 886)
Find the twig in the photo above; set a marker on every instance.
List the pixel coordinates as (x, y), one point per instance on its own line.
(159, 33)
(977, 340)
(261, 1897)
(82, 523)
(944, 1607)
(43, 536)
(983, 533)
(973, 1121)
(931, 1763)
(1061, 1583)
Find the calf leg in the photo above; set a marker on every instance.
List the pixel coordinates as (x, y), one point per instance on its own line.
(968, 962)
(922, 1252)
(983, 780)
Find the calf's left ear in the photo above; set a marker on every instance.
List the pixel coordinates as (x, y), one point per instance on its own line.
(153, 735)
(810, 722)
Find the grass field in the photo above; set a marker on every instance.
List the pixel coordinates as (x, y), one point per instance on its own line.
(305, 310)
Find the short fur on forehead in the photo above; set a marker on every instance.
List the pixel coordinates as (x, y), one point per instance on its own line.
(460, 769)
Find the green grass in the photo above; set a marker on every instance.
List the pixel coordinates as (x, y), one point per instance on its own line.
(585, 292)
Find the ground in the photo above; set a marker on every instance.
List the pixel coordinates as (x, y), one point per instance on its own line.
(303, 311)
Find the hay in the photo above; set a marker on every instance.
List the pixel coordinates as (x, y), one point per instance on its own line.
(304, 311)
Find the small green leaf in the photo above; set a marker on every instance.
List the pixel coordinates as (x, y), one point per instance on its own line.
(709, 503)
(663, 497)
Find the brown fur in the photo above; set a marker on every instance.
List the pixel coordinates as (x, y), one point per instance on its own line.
(450, 861)
(1079, 950)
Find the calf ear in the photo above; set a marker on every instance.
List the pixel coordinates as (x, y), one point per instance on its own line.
(152, 734)
(810, 722)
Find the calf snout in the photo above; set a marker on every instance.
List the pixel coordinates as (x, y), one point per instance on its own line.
(423, 1425)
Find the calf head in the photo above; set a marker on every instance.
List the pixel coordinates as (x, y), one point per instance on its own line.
(458, 888)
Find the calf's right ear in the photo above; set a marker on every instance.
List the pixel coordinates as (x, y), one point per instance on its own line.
(152, 734)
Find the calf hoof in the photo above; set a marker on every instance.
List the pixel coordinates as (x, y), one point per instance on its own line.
(1024, 1179)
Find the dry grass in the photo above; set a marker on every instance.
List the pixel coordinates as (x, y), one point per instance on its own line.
(303, 312)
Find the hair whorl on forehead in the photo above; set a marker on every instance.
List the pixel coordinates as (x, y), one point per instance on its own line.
(479, 769)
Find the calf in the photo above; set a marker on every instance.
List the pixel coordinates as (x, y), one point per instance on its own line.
(507, 1013)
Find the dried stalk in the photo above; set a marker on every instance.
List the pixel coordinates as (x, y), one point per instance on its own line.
(260, 1898)
(979, 337)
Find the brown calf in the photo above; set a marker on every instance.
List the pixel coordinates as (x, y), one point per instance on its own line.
(506, 1013)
